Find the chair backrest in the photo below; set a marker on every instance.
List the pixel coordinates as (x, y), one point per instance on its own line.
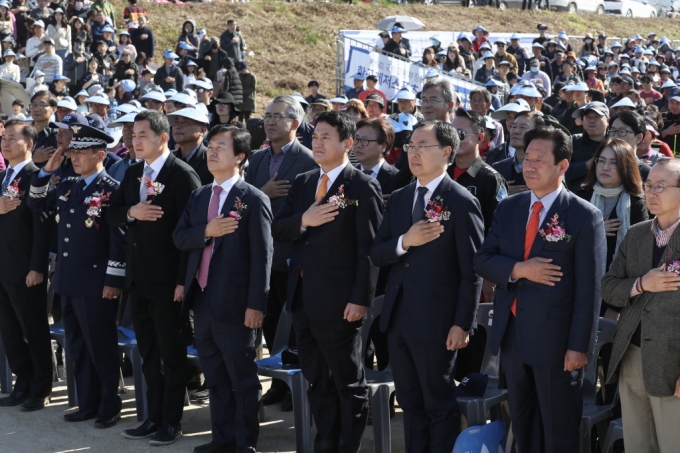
(490, 362)
(282, 337)
(606, 328)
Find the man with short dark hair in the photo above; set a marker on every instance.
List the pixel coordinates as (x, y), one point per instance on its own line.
(314, 94)
(631, 128)
(232, 42)
(546, 252)
(43, 106)
(24, 248)
(150, 201)
(426, 329)
(595, 120)
(226, 229)
(330, 284)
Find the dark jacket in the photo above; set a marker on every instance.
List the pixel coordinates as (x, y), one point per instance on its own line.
(393, 47)
(199, 162)
(162, 74)
(249, 85)
(147, 45)
(74, 70)
(233, 49)
(120, 68)
(584, 149)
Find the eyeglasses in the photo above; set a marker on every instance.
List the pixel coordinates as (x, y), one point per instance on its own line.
(658, 188)
(619, 132)
(602, 162)
(200, 90)
(461, 134)
(363, 141)
(276, 117)
(416, 149)
(39, 106)
(431, 101)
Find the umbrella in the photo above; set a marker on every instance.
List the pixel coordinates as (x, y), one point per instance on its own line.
(9, 91)
(408, 23)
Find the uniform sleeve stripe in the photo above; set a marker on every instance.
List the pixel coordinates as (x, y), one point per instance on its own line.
(115, 272)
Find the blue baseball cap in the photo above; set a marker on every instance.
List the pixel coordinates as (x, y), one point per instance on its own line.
(95, 121)
(359, 76)
(69, 120)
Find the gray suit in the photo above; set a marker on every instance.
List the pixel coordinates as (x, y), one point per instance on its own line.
(298, 160)
(658, 312)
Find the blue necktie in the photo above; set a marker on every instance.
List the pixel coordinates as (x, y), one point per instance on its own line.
(419, 206)
(5, 182)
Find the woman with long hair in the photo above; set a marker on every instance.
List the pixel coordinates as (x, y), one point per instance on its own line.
(453, 60)
(7, 23)
(356, 110)
(429, 58)
(60, 31)
(79, 29)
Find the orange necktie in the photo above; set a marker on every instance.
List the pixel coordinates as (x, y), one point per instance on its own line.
(530, 235)
(323, 187)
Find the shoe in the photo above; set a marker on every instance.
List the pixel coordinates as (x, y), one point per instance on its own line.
(166, 435)
(79, 416)
(34, 404)
(201, 395)
(213, 447)
(273, 396)
(143, 431)
(106, 422)
(287, 403)
(246, 450)
(14, 399)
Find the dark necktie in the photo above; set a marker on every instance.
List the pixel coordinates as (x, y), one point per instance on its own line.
(368, 172)
(5, 182)
(81, 185)
(419, 206)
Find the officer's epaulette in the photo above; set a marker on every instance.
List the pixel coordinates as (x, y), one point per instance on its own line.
(109, 180)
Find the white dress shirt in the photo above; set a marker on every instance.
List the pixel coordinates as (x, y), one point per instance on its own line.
(156, 166)
(332, 175)
(547, 201)
(374, 171)
(431, 187)
(226, 188)
(20, 166)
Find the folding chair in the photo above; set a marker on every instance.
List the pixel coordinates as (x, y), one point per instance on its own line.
(475, 408)
(380, 387)
(274, 368)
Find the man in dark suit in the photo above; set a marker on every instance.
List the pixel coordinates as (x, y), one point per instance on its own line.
(432, 291)
(189, 126)
(546, 253)
(90, 269)
(272, 170)
(226, 283)
(24, 249)
(149, 202)
(375, 137)
(332, 280)
(169, 76)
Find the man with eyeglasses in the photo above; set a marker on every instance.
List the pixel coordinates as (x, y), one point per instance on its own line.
(43, 106)
(189, 126)
(427, 323)
(671, 123)
(502, 55)
(644, 282)
(595, 120)
(273, 170)
(154, 100)
(631, 128)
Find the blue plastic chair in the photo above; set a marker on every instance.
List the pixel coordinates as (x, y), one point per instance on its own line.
(614, 433)
(127, 343)
(273, 367)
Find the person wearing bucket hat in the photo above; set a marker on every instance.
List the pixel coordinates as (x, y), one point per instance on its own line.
(126, 124)
(374, 106)
(224, 110)
(9, 70)
(189, 128)
(481, 36)
(406, 102)
(502, 54)
(125, 68)
(358, 86)
(89, 293)
(590, 76)
(58, 86)
(169, 76)
(398, 45)
(543, 61)
(589, 47)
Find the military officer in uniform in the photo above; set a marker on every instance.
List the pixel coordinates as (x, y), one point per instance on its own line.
(90, 269)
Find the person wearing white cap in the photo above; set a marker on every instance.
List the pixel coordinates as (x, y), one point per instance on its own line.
(10, 70)
(406, 101)
(127, 122)
(338, 102)
(65, 106)
(154, 100)
(100, 105)
(487, 71)
(503, 55)
(39, 83)
(519, 52)
(508, 113)
(34, 44)
(189, 127)
(50, 63)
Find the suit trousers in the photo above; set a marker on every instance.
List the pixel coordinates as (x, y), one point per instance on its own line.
(331, 360)
(227, 354)
(426, 391)
(92, 340)
(546, 402)
(158, 327)
(276, 301)
(650, 423)
(26, 336)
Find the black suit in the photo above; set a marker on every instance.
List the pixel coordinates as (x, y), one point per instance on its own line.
(238, 279)
(24, 247)
(154, 268)
(199, 162)
(430, 289)
(337, 271)
(385, 176)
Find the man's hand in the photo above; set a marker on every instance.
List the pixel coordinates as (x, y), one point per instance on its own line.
(253, 318)
(33, 278)
(169, 79)
(219, 226)
(110, 292)
(457, 339)
(43, 154)
(421, 233)
(179, 293)
(8, 204)
(55, 161)
(130, 71)
(318, 214)
(488, 291)
(145, 211)
(671, 130)
(144, 36)
(575, 360)
(512, 189)
(207, 58)
(354, 312)
(234, 39)
(658, 281)
(80, 59)
(55, 180)
(611, 227)
(677, 388)
(274, 188)
(538, 270)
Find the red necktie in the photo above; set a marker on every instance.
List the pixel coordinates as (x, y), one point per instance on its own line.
(529, 236)
(213, 211)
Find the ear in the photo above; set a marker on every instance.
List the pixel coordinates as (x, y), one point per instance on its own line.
(349, 142)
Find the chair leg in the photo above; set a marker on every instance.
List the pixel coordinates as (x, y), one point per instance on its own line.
(302, 413)
(510, 444)
(140, 385)
(585, 438)
(5, 372)
(55, 367)
(380, 406)
(121, 383)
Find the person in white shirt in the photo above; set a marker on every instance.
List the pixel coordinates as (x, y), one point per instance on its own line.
(9, 70)
(34, 45)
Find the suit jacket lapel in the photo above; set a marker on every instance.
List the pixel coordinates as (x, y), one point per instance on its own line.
(672, 252)
(288, 159)
(559, 206)
(237, 190)
(521, 218)
(165, 169)
(310, 188)
(344, 178)
(405, 213)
